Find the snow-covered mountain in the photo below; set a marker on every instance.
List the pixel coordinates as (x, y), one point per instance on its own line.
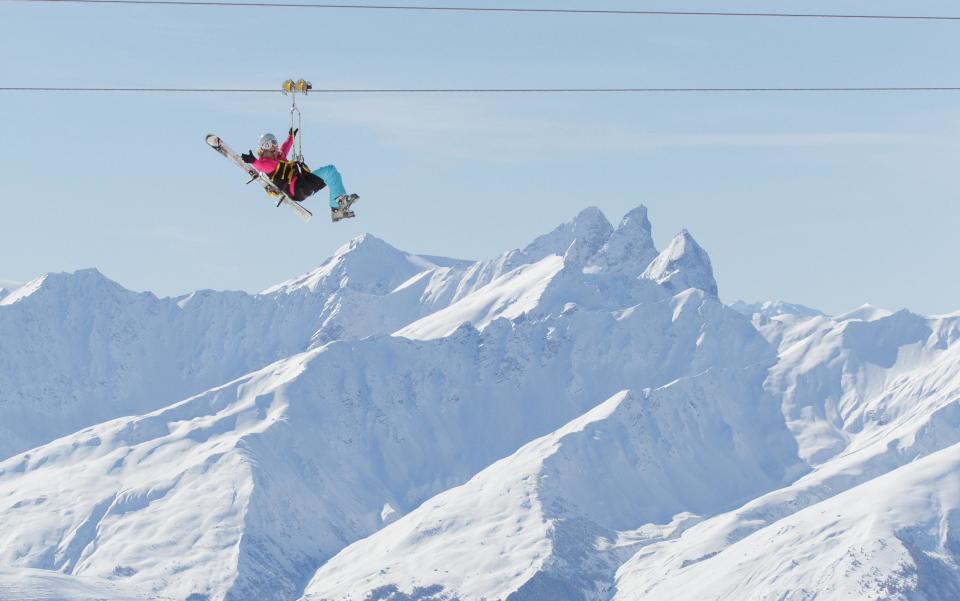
(81, 349)
(894, 537)
(890, 395)
(556, 518)
(682, 265)
(868, 422)
(766, 310)
(578, 419)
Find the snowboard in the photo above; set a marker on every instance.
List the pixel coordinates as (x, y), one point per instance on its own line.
(271, 189)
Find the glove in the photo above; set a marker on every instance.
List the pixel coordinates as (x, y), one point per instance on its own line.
(293, 131)
(248, 157)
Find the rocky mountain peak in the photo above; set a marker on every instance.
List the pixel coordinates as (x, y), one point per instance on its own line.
(683, 264)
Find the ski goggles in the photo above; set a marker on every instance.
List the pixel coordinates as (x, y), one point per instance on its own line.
(267, 142)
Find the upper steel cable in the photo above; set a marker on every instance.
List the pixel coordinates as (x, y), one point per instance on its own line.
(484, 9)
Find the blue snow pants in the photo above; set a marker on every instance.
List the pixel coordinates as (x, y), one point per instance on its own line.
(330, 175)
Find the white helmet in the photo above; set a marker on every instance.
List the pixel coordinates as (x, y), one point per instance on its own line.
(268, 142)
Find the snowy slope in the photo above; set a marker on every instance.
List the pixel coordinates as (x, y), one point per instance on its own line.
(508, 296)
(830, 369)
(80, 349)
(896, 537)
(592, 267)
(895, 417)
(555, 519)
(44, 585)
(544, 541)
(267, 477)
(354, 432)
(277, 471)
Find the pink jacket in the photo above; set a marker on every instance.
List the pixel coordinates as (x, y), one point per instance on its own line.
(268, 165)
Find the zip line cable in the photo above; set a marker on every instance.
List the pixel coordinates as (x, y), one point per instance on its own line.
(479, 9)
(497, 90)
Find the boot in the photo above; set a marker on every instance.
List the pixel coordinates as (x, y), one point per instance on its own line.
(344, 201)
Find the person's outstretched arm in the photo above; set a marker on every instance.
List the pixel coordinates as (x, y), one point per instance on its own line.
(288, 144)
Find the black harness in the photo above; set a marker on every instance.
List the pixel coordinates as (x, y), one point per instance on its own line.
(286, 171)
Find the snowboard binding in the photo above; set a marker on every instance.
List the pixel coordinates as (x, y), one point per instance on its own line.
(342, 210)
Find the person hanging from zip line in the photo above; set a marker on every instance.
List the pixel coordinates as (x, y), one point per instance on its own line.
(295, 178)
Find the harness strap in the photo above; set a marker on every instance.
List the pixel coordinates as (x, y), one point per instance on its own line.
(287, 170)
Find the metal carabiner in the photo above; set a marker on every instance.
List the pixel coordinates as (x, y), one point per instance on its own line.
(292, 88)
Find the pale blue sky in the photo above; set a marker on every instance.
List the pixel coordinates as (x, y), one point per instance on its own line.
(827, 200)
